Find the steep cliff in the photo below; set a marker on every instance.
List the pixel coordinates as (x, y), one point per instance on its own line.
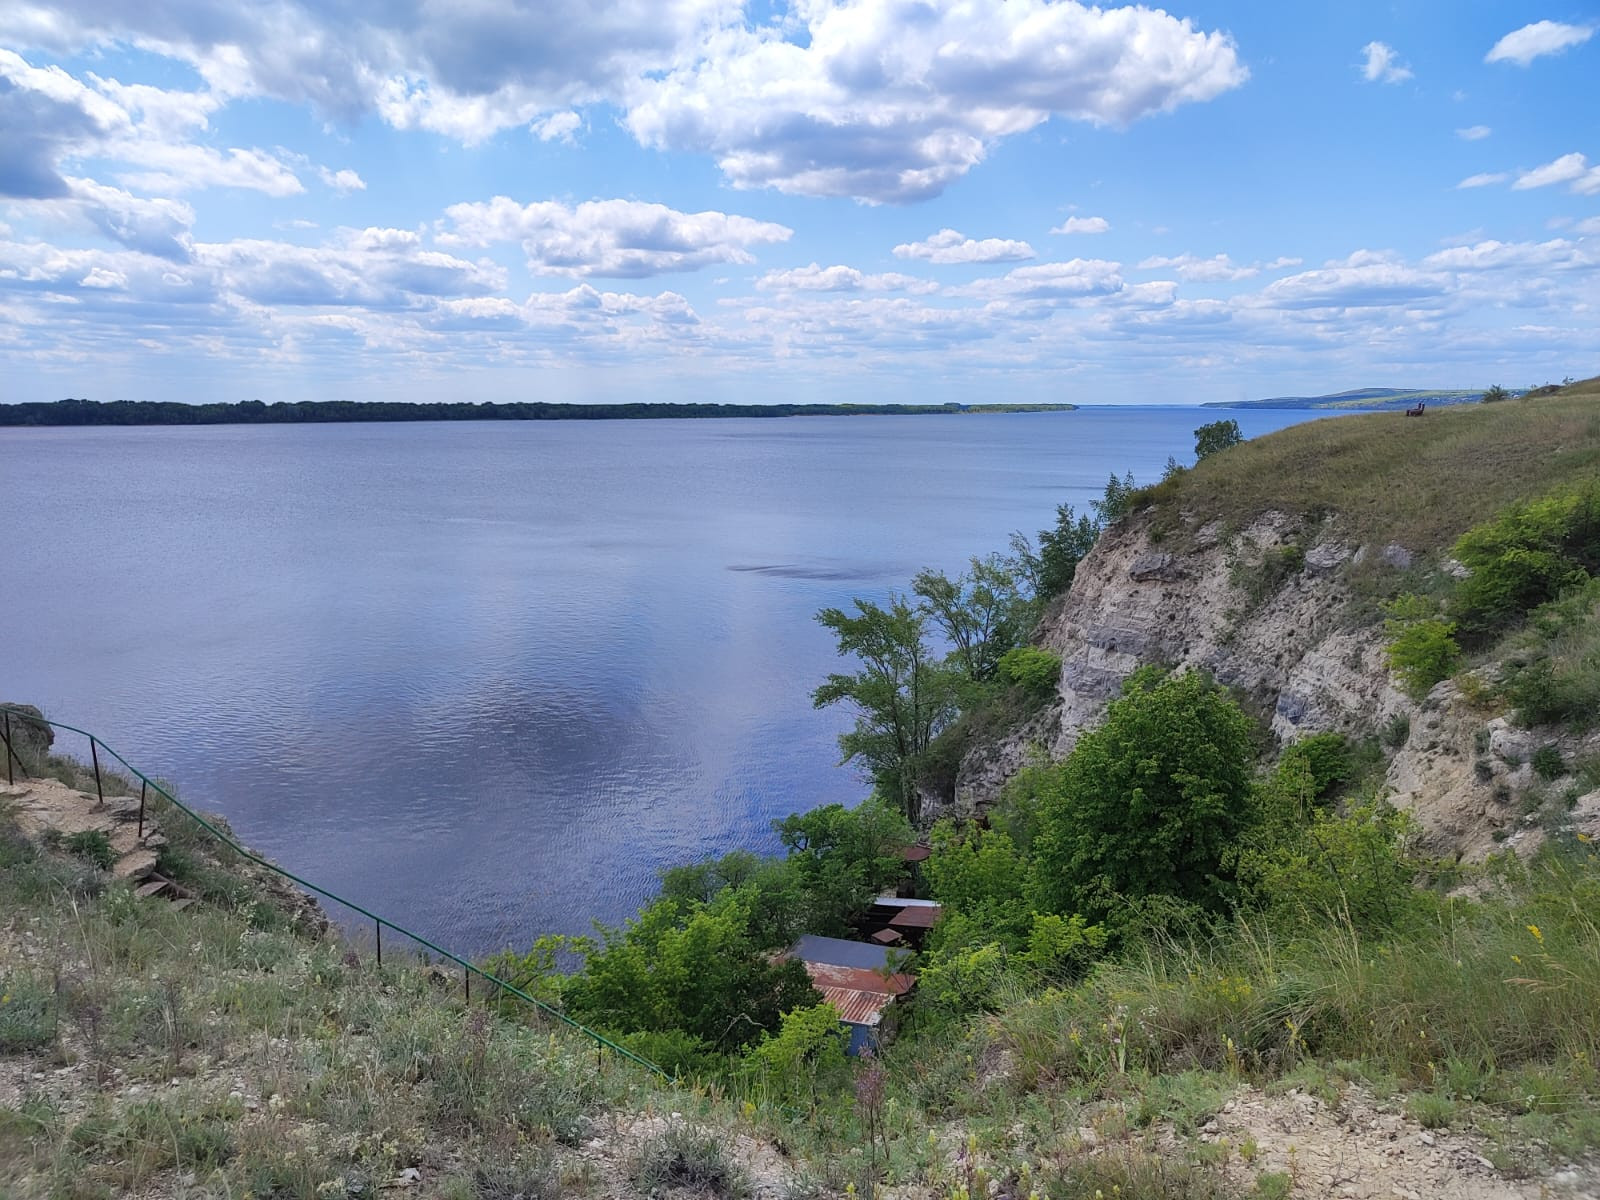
(1278, 603)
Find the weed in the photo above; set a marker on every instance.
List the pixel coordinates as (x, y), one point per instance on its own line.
(688, 1156)
(27, 1013)
(1548, 763)
(93, 846)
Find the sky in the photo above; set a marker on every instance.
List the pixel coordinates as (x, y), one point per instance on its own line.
(823, 200)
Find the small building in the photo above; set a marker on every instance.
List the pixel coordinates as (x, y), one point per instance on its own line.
(859, 980)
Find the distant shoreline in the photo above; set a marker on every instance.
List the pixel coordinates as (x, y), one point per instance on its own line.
(315, 412)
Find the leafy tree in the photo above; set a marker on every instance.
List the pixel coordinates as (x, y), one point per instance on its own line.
(1495, 394)
(693, 968)
(1034, 670)
(1113, 505)
(805, 1058)
(983, 613)
(902, 696)
(1150, 802)
(838, 860)
(1052, 568)
(1216, 437)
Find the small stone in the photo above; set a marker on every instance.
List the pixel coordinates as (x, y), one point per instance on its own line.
(408, 1178)
(1397, 556)
(1425, 1138)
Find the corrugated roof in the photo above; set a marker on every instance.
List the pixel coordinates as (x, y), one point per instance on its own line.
(915, 918)
(857, 1008)
(858, 979)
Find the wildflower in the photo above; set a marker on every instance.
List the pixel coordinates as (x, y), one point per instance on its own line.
(1537, 936)
(1517, 958)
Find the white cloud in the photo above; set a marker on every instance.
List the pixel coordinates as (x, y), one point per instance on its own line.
(1558, 253)
(614, 238)
(342, 181)
(1522, 46)
(1218, 269)
(1569, 168)
(558, 127)
(1483, 180)
(1588, 226)
(1364, 280)
(1474, 133)
(1076, 279)
(1383, 64)
(816, 278)
(947, 246)
(891, 100)
(1083, 225)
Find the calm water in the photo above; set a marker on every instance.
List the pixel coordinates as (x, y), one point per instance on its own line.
(488, 678)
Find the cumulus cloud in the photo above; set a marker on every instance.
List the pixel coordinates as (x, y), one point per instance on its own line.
(947, 247)
(892, 100)
(1522, 46)
(1556, 254)
(613, 238)
(1474, 133)
(1217, 269)
(1076, 279)
(1483, 180)
(1571, 169)
(1383, 64)
(558, 127)
(1365, 280)
(814, 278)
(1083, 225)
(342, 181)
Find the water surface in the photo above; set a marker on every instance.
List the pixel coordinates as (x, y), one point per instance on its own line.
(487, 678)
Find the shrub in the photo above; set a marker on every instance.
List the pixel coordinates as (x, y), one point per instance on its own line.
(1553, 670)
(1171, 760)
(1216, 437)
(27, 1014)
(1035, 671)
(1328, 758)
(686, 1156)
(1396, 731)
(93, 845)
(1527, 556)
(1422, 647)
(1548, 763)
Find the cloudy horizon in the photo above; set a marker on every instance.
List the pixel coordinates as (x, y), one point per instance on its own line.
(824, 200)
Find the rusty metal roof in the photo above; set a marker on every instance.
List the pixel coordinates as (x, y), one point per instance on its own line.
(857, 1008)
(858, 979)
(916, 854)
(915, 918)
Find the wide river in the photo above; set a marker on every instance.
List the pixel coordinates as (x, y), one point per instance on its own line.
(488, 678)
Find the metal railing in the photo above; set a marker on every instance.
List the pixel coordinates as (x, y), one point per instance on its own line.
(10, 714)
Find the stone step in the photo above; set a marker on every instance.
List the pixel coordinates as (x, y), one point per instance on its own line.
(135, 864)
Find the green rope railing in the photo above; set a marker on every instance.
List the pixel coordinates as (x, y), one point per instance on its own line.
(379, 923)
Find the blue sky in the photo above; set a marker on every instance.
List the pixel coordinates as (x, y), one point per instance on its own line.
(830, 200)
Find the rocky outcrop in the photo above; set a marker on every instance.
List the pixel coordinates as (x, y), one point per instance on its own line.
(1267, 611)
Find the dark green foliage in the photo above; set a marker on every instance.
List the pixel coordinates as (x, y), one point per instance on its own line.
(1216, 437)
(1527, 556)
(694, 968)
(1117, 499)
(1150, 802)
(1552, 673)
(1261, 579)
(1036, 671)
(1329, 760)
(982, 614)
(1548, 763)
(1061, 549)
(902, 696)
(1396, 731)
(1495, 394)
(92, 845)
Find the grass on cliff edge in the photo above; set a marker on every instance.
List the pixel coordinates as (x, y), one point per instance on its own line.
(1391, 478)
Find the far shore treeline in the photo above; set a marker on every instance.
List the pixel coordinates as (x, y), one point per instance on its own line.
(254, 412)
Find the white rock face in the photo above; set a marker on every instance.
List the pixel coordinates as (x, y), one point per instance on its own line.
(1136, 602)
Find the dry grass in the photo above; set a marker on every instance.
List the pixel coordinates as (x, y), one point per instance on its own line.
(1390, 478)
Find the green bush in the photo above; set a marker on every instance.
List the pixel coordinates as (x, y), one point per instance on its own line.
(1527, 556)
(1328, 758)
(27, 1014)
(1216, 437)
(1422, 647)
(686, 1156)
(1172, 761)
(1552, 672)
(1548, 763)
(1035, 671)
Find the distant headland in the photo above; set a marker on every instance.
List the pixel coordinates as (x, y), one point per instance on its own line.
(1365, 398)
(254, 412)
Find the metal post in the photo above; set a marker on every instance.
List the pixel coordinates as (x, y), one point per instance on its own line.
(466, 982)
(95, 754)
(143, 784)
(10, 778)
(377, 928)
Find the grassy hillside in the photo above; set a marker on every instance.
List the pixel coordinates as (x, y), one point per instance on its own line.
(1420, 482)
(1362, 398)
